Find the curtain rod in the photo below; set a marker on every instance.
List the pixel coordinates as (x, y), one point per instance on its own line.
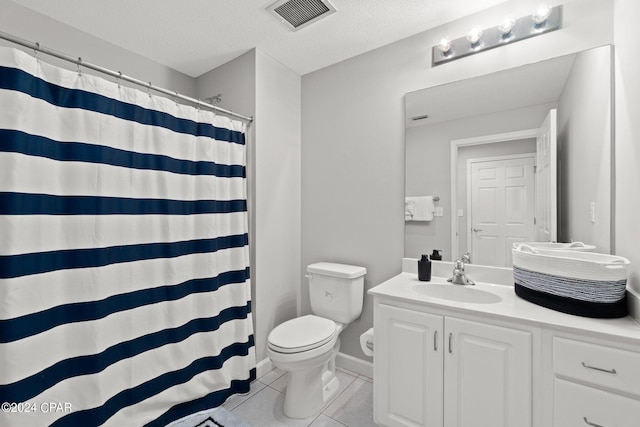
(118, 75)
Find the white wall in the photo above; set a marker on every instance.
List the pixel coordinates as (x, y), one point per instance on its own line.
(34, 27)
(627, 129)
(235, 81)
(585, 161)
(277, 190)
(255, 84)
(353, 136)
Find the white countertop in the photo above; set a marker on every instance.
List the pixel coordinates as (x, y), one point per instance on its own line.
(406, 287)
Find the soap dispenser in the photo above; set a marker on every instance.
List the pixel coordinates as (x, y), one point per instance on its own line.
(436, 255)
(424, 268)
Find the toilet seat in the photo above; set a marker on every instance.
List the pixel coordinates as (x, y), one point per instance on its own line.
(302, 334)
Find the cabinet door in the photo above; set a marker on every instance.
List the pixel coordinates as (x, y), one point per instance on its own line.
(408, 367)
(487, 375)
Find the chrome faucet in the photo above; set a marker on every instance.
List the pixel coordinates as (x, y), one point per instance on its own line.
(466, 258)
(459, 277)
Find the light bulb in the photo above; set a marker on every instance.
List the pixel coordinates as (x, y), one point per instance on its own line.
(541, 14)
(507, 25)
(474, 35)
(445, 45)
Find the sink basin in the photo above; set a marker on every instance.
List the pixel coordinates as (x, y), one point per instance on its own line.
(458, 293)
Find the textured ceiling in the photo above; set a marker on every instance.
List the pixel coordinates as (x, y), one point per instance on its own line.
(195, 36)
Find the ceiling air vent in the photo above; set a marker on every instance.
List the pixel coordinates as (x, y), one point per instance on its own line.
(297, 14)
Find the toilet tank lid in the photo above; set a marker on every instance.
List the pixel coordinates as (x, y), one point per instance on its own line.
(337, 270)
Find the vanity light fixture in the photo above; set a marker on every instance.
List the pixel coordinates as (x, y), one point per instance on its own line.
(545, 19)
(541, 14)
(474, 35)
(445, 45)
(506, 26)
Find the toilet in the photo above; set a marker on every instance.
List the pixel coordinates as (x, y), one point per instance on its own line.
(306, 347)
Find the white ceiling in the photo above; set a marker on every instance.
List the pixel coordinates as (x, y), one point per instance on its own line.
(195, 36)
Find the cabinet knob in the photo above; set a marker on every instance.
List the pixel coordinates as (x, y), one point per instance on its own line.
(450, 340)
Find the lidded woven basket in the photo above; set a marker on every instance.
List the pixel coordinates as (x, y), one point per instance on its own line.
(586, 284)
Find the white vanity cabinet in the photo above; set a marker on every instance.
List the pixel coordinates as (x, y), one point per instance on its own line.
(488, 374)
(593, 383)
(445, 357)
(408, 368)
(434, 369)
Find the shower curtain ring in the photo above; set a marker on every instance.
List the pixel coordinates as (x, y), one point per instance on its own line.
(175, 99)
(149, 90)
(37, 52)
(118, 77)
(79, 63)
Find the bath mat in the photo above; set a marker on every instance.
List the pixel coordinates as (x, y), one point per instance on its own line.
(217, 417)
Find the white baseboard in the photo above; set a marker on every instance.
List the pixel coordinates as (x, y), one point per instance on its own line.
(263, 366)
(353, 364)
(344, 361)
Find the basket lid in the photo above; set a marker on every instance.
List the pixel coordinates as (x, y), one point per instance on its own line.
(591, 257)
(574, 246)
(568, 263)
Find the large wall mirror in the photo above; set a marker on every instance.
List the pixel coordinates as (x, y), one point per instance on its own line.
(523, 154)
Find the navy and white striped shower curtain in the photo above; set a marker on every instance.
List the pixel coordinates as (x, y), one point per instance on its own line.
(124, 261)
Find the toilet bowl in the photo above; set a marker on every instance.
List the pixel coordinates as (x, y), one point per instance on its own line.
(306, 355)
(306, 347)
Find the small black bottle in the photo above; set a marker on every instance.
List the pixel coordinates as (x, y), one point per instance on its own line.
(424, 268)
(436, 255)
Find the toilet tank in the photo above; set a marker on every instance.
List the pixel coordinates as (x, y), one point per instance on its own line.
(336, 290)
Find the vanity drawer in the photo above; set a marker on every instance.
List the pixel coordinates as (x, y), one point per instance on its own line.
(595, 364)
(575, 405)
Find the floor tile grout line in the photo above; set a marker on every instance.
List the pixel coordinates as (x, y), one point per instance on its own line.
(250, 397)
(315, 419)
(338, 421)
(367, 379)
(274, 380)
(275, 389)
(324, 408)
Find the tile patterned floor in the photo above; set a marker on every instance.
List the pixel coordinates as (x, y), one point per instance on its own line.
(262, 406)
